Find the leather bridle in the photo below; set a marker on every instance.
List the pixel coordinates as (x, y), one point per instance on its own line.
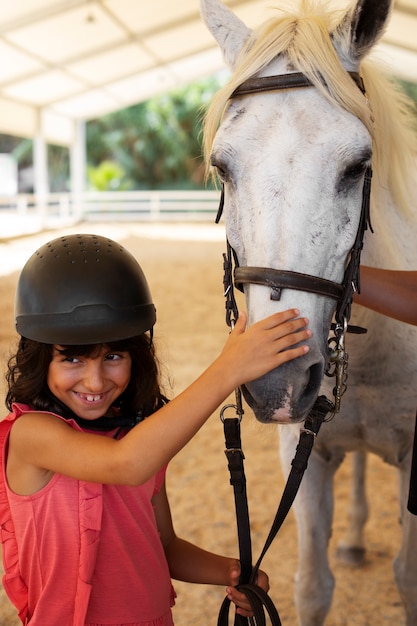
(277, 279)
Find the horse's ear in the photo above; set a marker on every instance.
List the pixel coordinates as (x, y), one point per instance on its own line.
(368, 23)
(228, 30)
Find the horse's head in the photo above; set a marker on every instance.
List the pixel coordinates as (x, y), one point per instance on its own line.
(293, 163)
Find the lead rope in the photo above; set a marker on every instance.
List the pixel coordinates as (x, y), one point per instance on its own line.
(259, 600)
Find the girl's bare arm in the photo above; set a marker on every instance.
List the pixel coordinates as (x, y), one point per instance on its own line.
(42, 443)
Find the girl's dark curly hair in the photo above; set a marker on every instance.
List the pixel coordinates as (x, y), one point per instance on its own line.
(28, 368)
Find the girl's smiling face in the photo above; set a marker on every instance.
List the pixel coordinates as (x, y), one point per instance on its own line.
(89, 385)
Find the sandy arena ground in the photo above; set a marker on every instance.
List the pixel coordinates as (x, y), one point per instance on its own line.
(184, 269)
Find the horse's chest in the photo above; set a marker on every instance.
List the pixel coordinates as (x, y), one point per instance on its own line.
(377, 418)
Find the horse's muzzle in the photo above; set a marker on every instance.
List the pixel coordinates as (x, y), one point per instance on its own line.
(287, 394)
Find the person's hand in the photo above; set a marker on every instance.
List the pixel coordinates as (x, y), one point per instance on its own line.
(254, 351)
(239, 599)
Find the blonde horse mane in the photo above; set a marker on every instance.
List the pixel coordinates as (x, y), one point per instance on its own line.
(305, 40)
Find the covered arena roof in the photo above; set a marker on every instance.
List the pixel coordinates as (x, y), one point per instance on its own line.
(67, 60)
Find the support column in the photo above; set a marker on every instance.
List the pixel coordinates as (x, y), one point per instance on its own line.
(41, 183)
(78, 164)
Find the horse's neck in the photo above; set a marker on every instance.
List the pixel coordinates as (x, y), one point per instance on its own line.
(392, 244)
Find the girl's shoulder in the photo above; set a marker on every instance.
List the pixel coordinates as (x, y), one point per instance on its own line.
(21, 413)
(20, 409)
(36, 442)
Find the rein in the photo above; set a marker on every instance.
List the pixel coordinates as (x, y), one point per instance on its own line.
(259, 600)
(277, 280)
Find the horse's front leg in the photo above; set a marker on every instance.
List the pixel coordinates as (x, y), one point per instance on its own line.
(405, 564)
(313, 508)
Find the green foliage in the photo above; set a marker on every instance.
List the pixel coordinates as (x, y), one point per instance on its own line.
(410, 89)
(108, 176)
(156, 143)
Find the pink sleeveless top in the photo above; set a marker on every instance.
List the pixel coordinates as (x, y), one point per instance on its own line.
(83, 554)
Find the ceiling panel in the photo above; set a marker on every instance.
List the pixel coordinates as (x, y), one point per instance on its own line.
(143, 85)
(44, 88)
(16, 11)
(179, 41)
(94, 103)
(84, 58)
(197, 65)
(69, 34)
(142, 17)
(15, 64)
(112, 64)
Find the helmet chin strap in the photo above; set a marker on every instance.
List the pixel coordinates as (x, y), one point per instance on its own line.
(106, 424)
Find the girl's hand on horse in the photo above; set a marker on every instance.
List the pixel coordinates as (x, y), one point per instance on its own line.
(256, 350)
(238, 598)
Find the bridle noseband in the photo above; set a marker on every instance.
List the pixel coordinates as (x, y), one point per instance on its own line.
(277, 279)
(283, 279)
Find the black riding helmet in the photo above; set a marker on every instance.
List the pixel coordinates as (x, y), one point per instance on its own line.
(82, 289)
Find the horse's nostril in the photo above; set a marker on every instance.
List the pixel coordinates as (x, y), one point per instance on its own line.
(315, 378)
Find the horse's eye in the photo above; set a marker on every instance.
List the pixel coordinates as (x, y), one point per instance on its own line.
(220, 169)
(352, 175)
(221, 173)
(355, 171)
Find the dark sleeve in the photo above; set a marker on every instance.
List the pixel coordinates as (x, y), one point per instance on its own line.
(412, 496)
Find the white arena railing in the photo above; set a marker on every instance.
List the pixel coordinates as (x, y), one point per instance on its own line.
(27, 213)
(150, 205)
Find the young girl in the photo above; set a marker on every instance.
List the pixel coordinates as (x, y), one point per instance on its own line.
(85, 522)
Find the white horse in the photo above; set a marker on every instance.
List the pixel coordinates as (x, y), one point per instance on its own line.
(292, 162)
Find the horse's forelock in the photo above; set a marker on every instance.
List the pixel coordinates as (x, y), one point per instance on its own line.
(306, 40)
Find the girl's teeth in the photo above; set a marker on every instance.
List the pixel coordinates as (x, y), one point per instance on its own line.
(92, 398)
